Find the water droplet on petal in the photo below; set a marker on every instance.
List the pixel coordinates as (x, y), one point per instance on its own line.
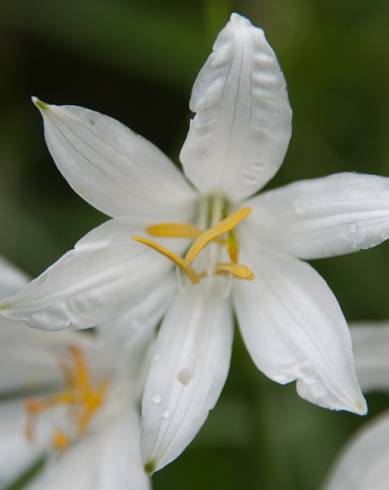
(184, 376)
(299, 207)
(156, 399)
(166, 414)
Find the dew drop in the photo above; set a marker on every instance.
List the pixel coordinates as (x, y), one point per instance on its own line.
(156, 399)
(184, 376)
(299, 207)
(166, 414)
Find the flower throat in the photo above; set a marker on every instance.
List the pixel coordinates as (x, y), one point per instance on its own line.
(82, 397)
(221, 232)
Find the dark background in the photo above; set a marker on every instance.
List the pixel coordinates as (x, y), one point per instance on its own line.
(136, 61)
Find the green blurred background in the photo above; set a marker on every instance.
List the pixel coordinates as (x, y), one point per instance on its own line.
(136, 61)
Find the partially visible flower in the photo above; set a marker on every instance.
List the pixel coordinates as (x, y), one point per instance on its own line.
(227, 248)
(363, 464)
(73, 399)
(371, 354)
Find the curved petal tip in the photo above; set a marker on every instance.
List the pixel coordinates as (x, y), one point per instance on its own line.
(42, 106)
(150, 467)
(361, 407)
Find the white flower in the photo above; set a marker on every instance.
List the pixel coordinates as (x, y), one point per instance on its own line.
(87, 427)
(290, 321)
(363, 463)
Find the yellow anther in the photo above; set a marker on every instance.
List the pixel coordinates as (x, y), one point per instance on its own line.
(176, 259)
(82, 396)
(238, 271)
(177, 230)
(60, 440)
(215, 232)
(173, 230)
(233, 247)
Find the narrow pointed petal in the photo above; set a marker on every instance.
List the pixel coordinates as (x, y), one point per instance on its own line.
(317, 218)
(371, 352)
(105, 460)
(188, 372)
(11, 278)
(16, 453)
(105, 274)
(112, 168)
(240, 133)
(294, 329)
(363, 464)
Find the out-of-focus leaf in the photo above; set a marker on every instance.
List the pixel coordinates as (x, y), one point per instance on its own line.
(163, 44)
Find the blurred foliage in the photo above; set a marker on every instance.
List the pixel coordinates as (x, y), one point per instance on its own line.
(136, 60)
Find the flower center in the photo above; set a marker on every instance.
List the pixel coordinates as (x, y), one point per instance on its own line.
(221, 233)
(82, 397)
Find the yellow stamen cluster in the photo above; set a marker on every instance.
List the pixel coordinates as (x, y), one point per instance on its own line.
(201, 240)
(82, 397)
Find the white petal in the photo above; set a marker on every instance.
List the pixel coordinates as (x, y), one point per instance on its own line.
(16, 453)
(139, 321)
(11, 278)
(241, 130)
(294, 329)
(323, 217)
(364, 462)
(188, 372)
(371, 352)
(106, 460)
(112, 168)
(104, 274)
(30, 358)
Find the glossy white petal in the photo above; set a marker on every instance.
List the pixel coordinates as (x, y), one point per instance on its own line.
(364, 462)
(104, 274)
(188, 371)
(106, 460)
(240, 133)
(117, 171)
(16, 453)
(323, 217)
(294, 329)
(11, 278)
(371, 353)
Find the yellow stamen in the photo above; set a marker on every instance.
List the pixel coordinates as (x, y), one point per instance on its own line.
(180, 262)
(80, 380)
(92, 403)
(84, 398)
(173, 230)
(238, 271)
(216, 231)
(60, 440)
